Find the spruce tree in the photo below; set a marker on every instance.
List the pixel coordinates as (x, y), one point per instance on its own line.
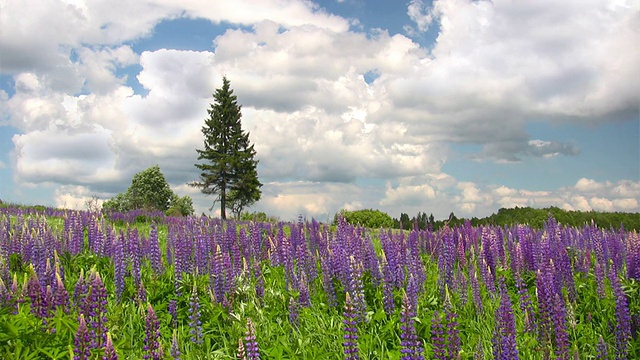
(229, 170)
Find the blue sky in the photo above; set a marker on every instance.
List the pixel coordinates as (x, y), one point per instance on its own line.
(403, 106)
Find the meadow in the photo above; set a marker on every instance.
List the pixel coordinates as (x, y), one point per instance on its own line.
(76, 284)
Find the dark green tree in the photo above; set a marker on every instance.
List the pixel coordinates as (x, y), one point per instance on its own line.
(229, 168)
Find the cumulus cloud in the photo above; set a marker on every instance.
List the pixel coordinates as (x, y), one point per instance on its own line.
(326, 135)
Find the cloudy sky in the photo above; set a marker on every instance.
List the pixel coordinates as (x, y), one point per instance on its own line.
(404, 106)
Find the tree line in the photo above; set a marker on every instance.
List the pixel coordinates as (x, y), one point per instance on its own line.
(533, 217)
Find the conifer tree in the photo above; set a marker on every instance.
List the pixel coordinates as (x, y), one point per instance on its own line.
(229, 170)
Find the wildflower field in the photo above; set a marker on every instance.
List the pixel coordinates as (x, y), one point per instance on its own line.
(76, 284)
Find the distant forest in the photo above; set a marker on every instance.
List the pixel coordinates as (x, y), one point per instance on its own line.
(527, 216)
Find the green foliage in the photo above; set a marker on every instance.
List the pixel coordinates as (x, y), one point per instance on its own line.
(369, 218)
(150, 191)
(180, 206)
(229, 168)
(535, 218)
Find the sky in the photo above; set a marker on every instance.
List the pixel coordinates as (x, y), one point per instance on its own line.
(403, 106)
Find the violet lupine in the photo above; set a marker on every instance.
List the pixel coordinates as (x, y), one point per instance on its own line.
(119, 264)
(387, 287)
(453, 333)
(152, 348)
(438, 339)
(327, 280)
(82, 341)
(155, 255)
(623, 317)
(602, 351)
(303, 288)
(36, 295)
(560, 328)
(251, 344)
(410, 345)
(194, 317)
(109, 350)
(175, 346)
(172, 307)
(96, 310)
(355, 287)
(257, 273)
(504, 343)
(293, 312)
(350, 329)
(61, 297)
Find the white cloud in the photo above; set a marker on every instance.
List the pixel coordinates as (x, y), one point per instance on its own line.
(320, 130)
(2, 165)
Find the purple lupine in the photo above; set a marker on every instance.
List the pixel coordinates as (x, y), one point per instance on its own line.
(175, 346)
(194, 316)
(504, 343)
(602, 351)
(293, 312)
(119, 264)
(36, 295)
(327, 280)
(438, 340)
(61, 297)
(453, 333)
(303, 288)
(387, 287)
(109, 350)
(152, 348)
(410, 345)
(96, 310)
(350, 329)
(257, 274)
(155, 256)
(82, 341)
(526, 306)
(623, 317)
(560, 328)
(172, 307)
(475, 289)
(251, 344)
(355, 287)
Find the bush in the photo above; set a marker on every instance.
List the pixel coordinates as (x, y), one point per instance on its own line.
(368, 218)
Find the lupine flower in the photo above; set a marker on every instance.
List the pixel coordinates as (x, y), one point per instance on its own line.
(109, 350)
(61, 299)
(82, 341)
(175, 348)
(257, 273)
(118, 264)
(350, 329)
(438, 340)
(172, 308)
(194, 317)
(152, 348)
(453, 334)
(387, 287)
(623, 317)
(293, 312)
(38, 300)
(95, 310)
(560, 324)
(242, 354)
(411, 345)
(251, 344)
(602, 350)
(154, 250)
(504, 344)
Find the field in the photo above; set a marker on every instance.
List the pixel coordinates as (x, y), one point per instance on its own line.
(78, 285)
